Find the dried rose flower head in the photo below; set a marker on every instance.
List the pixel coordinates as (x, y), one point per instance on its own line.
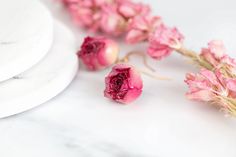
(123, 84)
(98, 52)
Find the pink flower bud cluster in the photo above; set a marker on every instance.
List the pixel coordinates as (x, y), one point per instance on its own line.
(213, 87)
(217, 86)
(109, 16)
(216, 55)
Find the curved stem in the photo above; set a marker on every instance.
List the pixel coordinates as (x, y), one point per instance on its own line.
(126, 58)
(153, 75)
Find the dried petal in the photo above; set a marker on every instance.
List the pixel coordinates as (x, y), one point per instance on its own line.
(163, 42)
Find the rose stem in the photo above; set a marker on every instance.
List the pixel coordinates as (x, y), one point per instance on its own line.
(126, 59)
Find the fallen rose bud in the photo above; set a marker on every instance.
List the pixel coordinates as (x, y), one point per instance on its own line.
(123, 84)
(98, 52)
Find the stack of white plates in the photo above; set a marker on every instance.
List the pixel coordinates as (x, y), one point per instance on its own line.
(37, 56)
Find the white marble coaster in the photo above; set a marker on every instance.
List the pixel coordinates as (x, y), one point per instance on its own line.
(45, 80)
(26, 33)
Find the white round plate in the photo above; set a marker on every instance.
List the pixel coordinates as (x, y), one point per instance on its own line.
(26, 33)
(45, 80)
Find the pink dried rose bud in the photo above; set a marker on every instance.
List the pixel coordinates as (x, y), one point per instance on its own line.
(140, 28)
(98, 52)
(123, 84)
(163, 41)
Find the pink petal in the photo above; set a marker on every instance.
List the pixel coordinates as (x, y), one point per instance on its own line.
(231, 84)
(201, 95)
(217, 48)
(135, 36)
(210, 76)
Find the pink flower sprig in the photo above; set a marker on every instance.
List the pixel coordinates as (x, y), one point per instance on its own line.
(108, 16)
(213, 87)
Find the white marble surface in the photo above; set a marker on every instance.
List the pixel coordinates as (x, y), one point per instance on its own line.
(26, 34)
(162, 123)
(44, 80)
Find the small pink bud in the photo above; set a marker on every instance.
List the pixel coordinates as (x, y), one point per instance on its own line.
(98, 52)
(123, 84)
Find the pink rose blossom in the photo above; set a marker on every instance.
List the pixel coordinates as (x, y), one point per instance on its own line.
(109, 16)
(163, 41)
(141, 27)
(98, 52)
(208, 86)
(123, 84)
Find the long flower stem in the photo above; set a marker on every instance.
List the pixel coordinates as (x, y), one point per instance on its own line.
(152, 75)
(126, 58)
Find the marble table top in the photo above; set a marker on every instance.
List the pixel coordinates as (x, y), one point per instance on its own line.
(162, 123)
